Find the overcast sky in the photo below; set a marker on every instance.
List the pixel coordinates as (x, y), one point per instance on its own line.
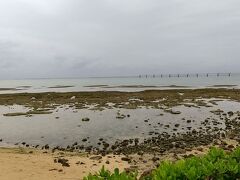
(74, 38)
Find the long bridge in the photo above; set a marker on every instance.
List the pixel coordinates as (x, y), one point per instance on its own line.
(186, 75)
(177, 75)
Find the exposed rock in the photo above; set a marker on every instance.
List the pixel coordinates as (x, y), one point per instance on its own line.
(154, 159)
(97, 158)
(107, 162)
(126, 159)
(64, 162)
(85, 119)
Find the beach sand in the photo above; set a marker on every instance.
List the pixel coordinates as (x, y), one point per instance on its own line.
(34, 164)
(19, 164)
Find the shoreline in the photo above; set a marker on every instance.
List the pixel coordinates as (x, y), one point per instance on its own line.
(28, 163)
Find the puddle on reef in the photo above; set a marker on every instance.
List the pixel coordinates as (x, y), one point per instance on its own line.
(65, 126)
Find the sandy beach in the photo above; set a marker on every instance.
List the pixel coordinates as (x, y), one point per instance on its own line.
(32, 164)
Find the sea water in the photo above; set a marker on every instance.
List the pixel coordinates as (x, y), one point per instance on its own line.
(116, 84)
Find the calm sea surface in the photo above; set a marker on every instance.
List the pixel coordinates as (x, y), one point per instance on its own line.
(113, 84)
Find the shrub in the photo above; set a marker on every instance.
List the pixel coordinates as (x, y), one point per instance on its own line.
(215, 165)
(107, 175)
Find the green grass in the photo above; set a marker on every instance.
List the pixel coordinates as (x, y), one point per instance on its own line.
(216, 165)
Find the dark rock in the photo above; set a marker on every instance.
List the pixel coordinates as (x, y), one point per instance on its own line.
(85, 119)
(230, 113)
(84, 140)
(177, 125)
(120, 116)
(194, 131)
(97, 158)
(126, 159)
(154, 159)
(74, 144)
(231, 146)
(64, 162)
(46, 146)
(200, 149)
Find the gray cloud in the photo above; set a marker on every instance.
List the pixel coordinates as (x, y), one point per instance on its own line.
(66, 38)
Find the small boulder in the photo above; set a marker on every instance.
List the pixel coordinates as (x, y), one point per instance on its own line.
(97, 158)
(86, 119)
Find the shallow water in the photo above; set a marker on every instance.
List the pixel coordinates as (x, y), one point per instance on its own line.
(69, 127)
(82, 84)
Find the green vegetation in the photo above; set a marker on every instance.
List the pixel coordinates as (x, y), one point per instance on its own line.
(105, 174)
(216, 165)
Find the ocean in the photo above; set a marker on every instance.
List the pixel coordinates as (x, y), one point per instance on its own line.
(116, 84)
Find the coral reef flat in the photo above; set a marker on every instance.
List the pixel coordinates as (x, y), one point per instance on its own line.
(129, 130)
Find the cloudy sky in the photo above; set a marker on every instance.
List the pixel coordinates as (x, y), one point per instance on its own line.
(74, 38)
